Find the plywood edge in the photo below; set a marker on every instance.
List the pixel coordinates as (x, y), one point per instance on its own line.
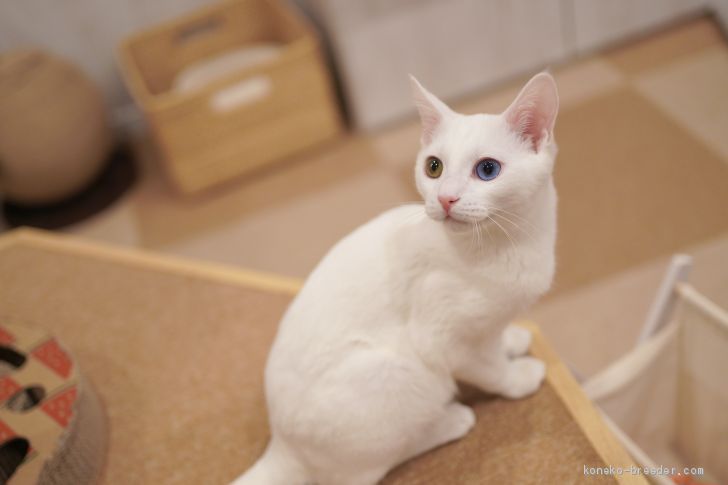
(583, 410)
(146, 259)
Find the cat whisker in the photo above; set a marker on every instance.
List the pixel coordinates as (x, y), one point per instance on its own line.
(523, 230)
(513, 214)
(480, 239)
(504, 232)
(476, 236)
(490, 236)
(473, 237)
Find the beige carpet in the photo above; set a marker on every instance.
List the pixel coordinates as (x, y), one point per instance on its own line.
(633, 185)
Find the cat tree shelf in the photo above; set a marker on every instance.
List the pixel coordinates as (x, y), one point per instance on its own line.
(176, 351)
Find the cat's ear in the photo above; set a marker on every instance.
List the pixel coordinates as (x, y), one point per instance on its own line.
(433, 112)
(533, 114)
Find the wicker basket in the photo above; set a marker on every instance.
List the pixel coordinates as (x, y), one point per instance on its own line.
(212, 134)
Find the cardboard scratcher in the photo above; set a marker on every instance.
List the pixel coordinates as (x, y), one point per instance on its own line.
(52, 427)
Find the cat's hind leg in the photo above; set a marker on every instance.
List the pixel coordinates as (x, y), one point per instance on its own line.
(371, 477)
(348, 440)
(455, 423)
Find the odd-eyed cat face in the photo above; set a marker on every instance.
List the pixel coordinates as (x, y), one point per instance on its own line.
(470, 166)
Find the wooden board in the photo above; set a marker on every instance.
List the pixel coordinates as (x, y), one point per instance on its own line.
(176, 350)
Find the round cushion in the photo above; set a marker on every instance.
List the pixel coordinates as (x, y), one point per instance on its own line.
(54, 132)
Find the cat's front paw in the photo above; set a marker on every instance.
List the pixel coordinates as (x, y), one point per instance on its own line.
(516, 340)
(523, 377)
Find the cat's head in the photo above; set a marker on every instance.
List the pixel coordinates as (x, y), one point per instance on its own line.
(471, 165)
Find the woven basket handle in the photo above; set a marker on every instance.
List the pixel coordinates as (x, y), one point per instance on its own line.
(198, 29)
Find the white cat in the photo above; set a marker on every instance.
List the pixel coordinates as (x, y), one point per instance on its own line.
(361, 376)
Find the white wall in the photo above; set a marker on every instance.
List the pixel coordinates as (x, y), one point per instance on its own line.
(598, 22)
(459, 46)
(88, 32)
(85, 31)
(453, 46)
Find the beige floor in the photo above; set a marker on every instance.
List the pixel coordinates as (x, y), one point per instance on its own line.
(642, 173)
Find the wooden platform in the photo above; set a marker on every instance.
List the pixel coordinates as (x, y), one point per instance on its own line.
(176, 350)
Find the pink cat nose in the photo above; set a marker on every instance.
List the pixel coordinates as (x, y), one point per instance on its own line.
(447, 201)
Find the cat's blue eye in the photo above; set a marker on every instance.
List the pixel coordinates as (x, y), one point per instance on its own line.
(487, 169)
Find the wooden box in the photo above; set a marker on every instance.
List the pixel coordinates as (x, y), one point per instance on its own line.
(244, 119)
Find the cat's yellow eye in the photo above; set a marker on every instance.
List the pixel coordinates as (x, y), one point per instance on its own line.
(433, 167)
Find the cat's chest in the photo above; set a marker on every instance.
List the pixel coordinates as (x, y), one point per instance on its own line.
(484, 290)
(438, 280)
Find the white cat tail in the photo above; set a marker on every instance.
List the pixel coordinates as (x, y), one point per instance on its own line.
(275, 467)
